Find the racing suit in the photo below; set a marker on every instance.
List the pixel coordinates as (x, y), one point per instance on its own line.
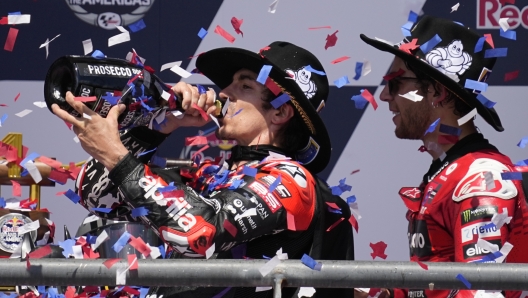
(453, 208)
(210, 209)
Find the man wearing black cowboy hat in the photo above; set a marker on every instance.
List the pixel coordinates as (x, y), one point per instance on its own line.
(460, 211)
(266, 197)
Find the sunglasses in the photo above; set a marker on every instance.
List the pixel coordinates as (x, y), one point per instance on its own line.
(394, 84)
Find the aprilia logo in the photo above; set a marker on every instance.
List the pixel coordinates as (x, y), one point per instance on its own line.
(490, 11)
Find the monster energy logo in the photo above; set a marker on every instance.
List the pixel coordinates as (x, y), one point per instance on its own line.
(479, 212)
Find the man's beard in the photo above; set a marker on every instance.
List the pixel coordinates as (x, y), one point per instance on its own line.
(414, 122)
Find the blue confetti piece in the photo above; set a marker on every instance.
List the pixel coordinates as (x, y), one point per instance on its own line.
(235, 184)
(476, 85)
(202, 33)
(432, 127)
(344, 187)
(201, 89)
(342, 81)
(121, 242)
(252, 172)
(510, 34)
(72, 196)
(140, 211)
(464, 280)
(263, 74)
(359, 70)
(279, 101)
(450, 130)
(98, 54)
(91, 239)
(311, 263)
(67, 247)
(522, 163)
(53, 292)
(146, 107)
(511, 176)
(212, 169)
(413, 17)
(25, 173)
(485, 102)
(336, 190)
(103, 210)
(429, 45)
(490, 257)
(351, 199)
(209, 130)
(136, 26)
(143, 292)
(110, 98)
(480, 44)
(147, 152)
(2, 203)
(14, 13)
(222, 178)
(360, 101)
(312, 70)
(332, 210)
(237, 112)
(221, 294)
(266, 257)
(4, 118)
(29, 157)
(41, 289)
(169, 187)
(458, 23)
(275, 183)
(406, 29)
(496, 53)
(523, 142)
(162, 250)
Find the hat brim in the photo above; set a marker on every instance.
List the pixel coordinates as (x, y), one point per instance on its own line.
(220, 65)
(488, 114)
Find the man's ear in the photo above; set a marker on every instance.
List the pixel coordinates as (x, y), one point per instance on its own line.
(439, 93)
(281, 115)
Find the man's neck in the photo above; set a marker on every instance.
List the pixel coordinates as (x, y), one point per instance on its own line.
(437, 150)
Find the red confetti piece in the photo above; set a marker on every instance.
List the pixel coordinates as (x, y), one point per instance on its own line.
(12, 154)
(219, 30)
(290, 219)
(140, 246)
(331, 40)
(191, 58)
(366, 94)
(195, 141)
(333, 205)
(3, 105)
(50, 162)
(424, 266)
(422, 149)
(85, 99)
(447, 139)
(130, 290)
(18, 95)
(70, 292)
(262, 50)
(272, 86)
(134, 78)
(81, 241)
(88, 253)
(91, 289)
(340, 59)
(408, 47)
(202, 112)
(68, 124)
(335, 224)
(236, 25)
(230, 228)
(511, 76)
(354, 171)
(393, 75)
(11, 38)
(353, 222)
(149, 69)
(322, 27)
(60, 193)
(132, 262)
(29, 294)
(489, 39)
(378, 250)
(186, 173)
(28, 264)
(41, 252)
(74, 171)
(373, 292)
(17, 191)
(110, 262)
(199, 151)
(61, 176)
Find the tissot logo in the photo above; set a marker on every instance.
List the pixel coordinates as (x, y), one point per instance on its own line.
(490, 11)
(108, 14)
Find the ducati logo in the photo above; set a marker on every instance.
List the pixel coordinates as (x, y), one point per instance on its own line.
(108, 14)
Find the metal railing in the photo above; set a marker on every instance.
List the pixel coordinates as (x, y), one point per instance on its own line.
(245, 273)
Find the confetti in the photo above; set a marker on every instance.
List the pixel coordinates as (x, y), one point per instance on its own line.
(450, 130)
(196, 140)
(367, 68)
(87, 46)
(110, 262)
(508, 34)
(306, 292)
(467, 117)
(368, 96)
(230, 228)
(180, 71)
(70, 194)
(353, 222)
(485, 102)
(279, 101)
(23, 113)
(311, 263)
(290, 221)
(33, 171)
(522, 143)
(312, 70)
(136, 26)
(272, 86)
(340, 59)
(41, 252)
(263, 74)
(511, 75)
(411, 95)
(489, 40)
(269, 266)
(378, 250)
(17, 191)
(28, 227)
(273, 6)
(11, 38)
(202, 33)
(220, 31)
(432, 127)
(342, 81)
(496, 53)
(170, 64)
(499, 219)
(455, 7)
(463, 280)
(335, 224)
(358, 69)
(480, 44)
(124, 36)
(210, 251)
(408, 47)
(331, 40)
(40, 104)
(503, 23)
(413, 17)
(100, 239)
(85, 99)
(236, 25)
(121, 242)
(15, 19)
(132, 262)
(16, 97)
(249, 171)
(275, 183)
(429, 45)
(393, 75)
(406, 29)
(140, 211)
(46, 44)
(443, 139)
(490, 182)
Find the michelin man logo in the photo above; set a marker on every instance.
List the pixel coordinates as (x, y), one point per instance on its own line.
(451, 59)
(302, 78)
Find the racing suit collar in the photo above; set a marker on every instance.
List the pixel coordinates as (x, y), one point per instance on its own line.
(258, 152)
(471, 143)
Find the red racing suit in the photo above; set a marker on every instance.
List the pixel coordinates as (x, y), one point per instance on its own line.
(453, 208)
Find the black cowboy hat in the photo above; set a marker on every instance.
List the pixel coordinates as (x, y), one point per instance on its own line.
(441, 40)
(297, 72)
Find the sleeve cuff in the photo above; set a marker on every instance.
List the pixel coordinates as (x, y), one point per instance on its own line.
(123, 168)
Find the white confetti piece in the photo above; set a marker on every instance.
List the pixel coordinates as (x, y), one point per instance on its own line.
(18, 19)
(23, 113)
(130, 54)
(503, 22)
(226, 106)
(355, 209)
(77, 252)
(214, 120)
(87, 116)
(177, 114)
(87, 46)
(180, 71)
(90, 218)
(100, 239)
(154, 251)
(121, 276)
(210, 251)
(467, 117)
(490, 182)
(170, 65)
(262, 289)
(40, 104)
(505, 250)
(32, 226)
(273, 6)
(499, 219)
(46, 44)
(367, 68)
(455, 7)
(76, 139)
(165, 95)
(119, 38)
(270, 265)
(306, 292)
(44, 239)
(411, 95)
(33, 171)
(487, 245)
